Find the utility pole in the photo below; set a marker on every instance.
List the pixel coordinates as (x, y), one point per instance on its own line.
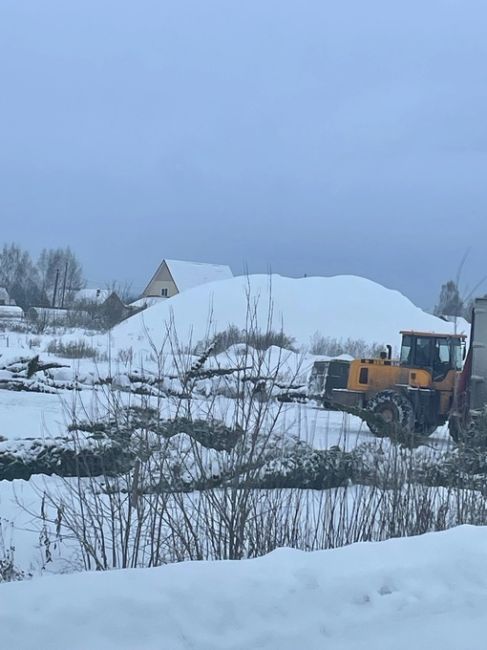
(64, 283)
(55, 288)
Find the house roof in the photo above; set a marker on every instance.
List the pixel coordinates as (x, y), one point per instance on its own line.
(11, 311)
(97, 296)
(4, 294)
(187, 275)
(145, 302)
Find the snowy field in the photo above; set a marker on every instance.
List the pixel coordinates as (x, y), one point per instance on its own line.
(427, 593)
(31, 415)
(339, 308)
(44, 415)
(403, 592)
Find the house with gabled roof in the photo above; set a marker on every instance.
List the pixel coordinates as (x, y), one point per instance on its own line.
(92, 296)
(174, 276)
(5, 299)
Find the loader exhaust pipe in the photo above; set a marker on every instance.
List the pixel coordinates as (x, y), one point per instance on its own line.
(389, 351)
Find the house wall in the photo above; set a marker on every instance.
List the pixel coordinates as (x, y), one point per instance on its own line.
(162, 280)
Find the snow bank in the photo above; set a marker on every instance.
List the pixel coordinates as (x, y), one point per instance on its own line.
(31, 415)
(339, 307)
(426, 592)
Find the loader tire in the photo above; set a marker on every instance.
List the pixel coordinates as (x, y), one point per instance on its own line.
(394, 414)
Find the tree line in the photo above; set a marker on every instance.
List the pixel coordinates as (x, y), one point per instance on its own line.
(54, 278)
(50, 281)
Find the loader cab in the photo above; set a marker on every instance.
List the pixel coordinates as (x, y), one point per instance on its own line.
(438, 353)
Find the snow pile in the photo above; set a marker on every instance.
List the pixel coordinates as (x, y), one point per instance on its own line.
(339, 307)
(426, 592)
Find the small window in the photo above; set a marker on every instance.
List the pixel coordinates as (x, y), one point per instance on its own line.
(363, 376)
(164, 293)
(406, 350)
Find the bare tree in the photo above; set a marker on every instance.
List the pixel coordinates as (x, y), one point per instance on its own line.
(19, 276)
(61, 275)
(123, 290)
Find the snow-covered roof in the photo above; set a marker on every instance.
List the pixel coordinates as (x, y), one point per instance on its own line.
(187, 275)
(4, 294)
(10, 312)
(97, 296)
(145, 301)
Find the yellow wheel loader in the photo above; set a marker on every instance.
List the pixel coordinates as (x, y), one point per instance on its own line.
(414, 393)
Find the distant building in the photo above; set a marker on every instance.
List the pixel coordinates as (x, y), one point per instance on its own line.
(8, 309)
(5, 299)
(85, 313)
(114, 310)
(92, 296)
(50, 315)
(174, 276)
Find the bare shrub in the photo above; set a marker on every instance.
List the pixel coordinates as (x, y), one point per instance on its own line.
(126, 520)
(259, 340)
(8, 570)
(71, 349)
(333, 347)
(84, 316)
(136, 520)
(126, 356)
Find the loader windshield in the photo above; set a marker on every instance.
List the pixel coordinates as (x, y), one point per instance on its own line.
(438, 353)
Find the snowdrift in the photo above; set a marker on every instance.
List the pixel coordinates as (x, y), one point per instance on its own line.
(426, 592)
(338, 307)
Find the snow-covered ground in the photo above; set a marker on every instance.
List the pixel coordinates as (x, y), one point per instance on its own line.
(337, 308)
(427, 593)
(31, 415)
(285, 600)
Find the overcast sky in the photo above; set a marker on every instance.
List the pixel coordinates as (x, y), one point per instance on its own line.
(300, 136)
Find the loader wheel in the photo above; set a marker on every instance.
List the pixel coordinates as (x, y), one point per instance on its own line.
(394, 414)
